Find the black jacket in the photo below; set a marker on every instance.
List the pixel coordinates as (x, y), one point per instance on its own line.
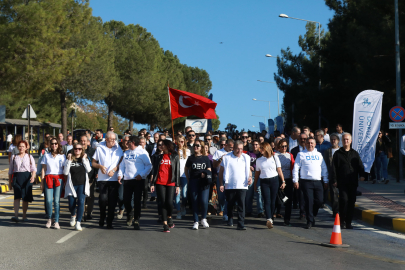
(347, 167)
(149, 149)
(295, 151)
(174, 160)
(385, 144)
(327, 156)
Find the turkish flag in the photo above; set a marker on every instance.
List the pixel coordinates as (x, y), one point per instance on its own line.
(183, 104)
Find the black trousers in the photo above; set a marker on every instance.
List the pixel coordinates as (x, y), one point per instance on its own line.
(145, 191)
(236, 196)
(108, 196)
(313, 196)
(347, 199)
(90, 199)
(165, 200)
(135, 188)
(334, 198)
(288, 191)
(301, 199)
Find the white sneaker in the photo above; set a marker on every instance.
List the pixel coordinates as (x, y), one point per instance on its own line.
(195, 226)
(225, 218)
(178, 215)
(72, 221)
(204, 223)
(78, 227)
(42, 194)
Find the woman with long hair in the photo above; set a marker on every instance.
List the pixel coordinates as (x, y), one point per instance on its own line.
(166, 180)
(77, 186)
(183, 153)
(268, 168)
(199, 177)
(22, 173)
(287, 164)
(381, 160)
(52, 183)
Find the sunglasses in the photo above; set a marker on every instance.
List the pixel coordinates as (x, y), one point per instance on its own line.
(160, 144)
(181, 141)
(244, 137)
(255, 144)
(223, 144)
(54, 143)
(197, 145)
(209, 139)
(191, 135)
(284, 146)
(78, 149)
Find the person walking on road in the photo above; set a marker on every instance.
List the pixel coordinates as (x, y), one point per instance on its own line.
(22, 173)
(166, 180)
(76, 168)
(328, 157)
(134, 169)
(234, 177)
(12, 150)
(107, 159)
(309, 169)
(347, 167)
(183, 153)
(268, 168)
(199, 178)
(287, 164)
(53, 180)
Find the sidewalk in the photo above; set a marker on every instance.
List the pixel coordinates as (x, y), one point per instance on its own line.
(382, 205)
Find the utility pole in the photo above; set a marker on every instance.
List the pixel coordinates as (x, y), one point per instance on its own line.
(398, 86)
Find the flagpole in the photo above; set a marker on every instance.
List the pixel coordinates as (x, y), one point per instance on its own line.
(170, 107)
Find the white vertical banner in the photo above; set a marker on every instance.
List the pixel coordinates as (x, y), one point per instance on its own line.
(366, 125)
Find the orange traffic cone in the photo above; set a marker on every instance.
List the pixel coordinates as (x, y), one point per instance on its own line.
(336, 238)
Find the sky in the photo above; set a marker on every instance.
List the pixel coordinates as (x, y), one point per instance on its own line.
(248, 30)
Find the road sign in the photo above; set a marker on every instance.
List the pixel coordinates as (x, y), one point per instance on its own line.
(396, 125)
(397, 114)
(32, 113)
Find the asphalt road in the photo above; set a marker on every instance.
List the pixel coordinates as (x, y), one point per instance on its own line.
(31, 246)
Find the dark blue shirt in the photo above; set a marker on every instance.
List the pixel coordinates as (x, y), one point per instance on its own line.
(324, 146)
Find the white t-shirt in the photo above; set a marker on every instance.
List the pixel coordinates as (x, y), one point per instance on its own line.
(183, 162)
(10, 149)
(326, 137)
(54, 165)
(9, 138)
(218, 154)
(236, 171)
(268, 166)
(334, 150)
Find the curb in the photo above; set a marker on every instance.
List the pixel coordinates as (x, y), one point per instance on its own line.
(380, 220)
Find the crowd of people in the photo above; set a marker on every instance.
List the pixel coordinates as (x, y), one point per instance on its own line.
(210, 174)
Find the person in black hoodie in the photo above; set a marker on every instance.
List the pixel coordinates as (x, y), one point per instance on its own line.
(347, 167)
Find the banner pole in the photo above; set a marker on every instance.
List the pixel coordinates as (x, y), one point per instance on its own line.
(170, 107)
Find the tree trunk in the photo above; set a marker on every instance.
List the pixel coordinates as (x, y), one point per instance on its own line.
(110, 105)
(131, 125)
(63, 112)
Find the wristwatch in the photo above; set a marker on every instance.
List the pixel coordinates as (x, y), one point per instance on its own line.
(113, 171)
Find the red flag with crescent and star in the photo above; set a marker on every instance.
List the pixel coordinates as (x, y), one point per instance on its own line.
(183, 104)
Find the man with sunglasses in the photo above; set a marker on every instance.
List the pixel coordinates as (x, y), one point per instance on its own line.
(216, 160)
(298, 196)
(211, 145)
(190, 140)
(247, 147)
(134, 169)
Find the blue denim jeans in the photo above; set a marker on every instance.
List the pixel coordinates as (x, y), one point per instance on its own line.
(199, 198)
(53, 195)
(121, 205)
(249, 198)
(79, 201)
(223, 205)
(381, 166)
(269, 189)
(182, 194)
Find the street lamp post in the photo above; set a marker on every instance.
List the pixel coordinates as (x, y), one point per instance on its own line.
(278, 97)
(320, 65)
(398, 84)
(261, 116)
(265, 101)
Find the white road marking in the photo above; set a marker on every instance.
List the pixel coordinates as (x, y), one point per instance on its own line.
(362, 227)
(67, 237)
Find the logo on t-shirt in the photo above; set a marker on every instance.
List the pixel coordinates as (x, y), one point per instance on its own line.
(166, 162)
(312, 157)
(199, 166)
(131, 157)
